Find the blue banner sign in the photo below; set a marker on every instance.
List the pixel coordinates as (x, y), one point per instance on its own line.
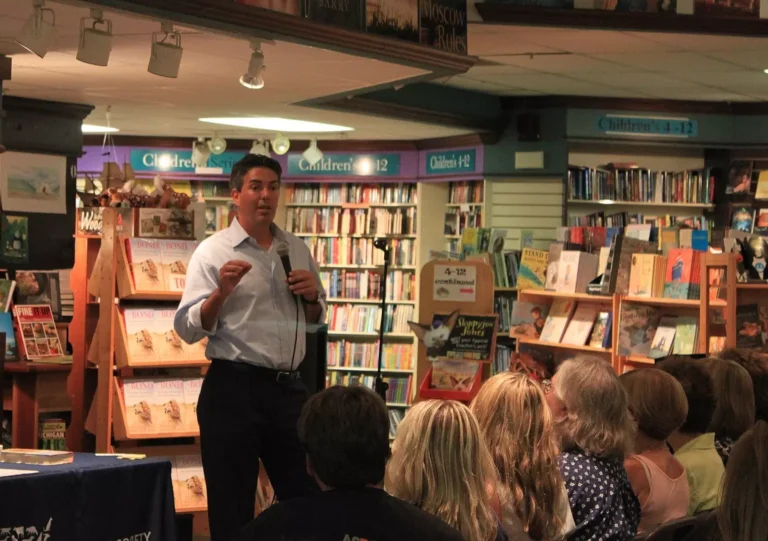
(451, 162)
(648, 126)
(345, 165)
(179, 161)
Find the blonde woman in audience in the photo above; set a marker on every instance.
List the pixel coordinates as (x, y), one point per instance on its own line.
(734, 404)
(595, 433)
(658, 406)
(441, 464)
(517, 425)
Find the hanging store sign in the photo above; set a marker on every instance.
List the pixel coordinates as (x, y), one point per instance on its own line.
(180, 161)
(451, 162)
(444, 25)
(648, 126)
(346, 165)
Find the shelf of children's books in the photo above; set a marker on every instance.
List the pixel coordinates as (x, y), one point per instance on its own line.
(665, 302)
(571, 347)
(464, 204)
(365, 267)
(391, 205)
(356, 236)
(369, 370)
(338, 300)
(638, 203)
(321, 205)
(638, 359)
(370, 334)
(397, 405)
(563, 295)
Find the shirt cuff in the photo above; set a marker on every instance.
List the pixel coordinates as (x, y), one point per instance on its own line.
(195, 319)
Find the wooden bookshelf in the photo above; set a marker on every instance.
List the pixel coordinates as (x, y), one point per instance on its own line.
(640, 204)
(557, 345)
(125, 286)
(369, 370)
(452, 241)
(664, 302)
(365, 301)
(370, 334)
(561, 295)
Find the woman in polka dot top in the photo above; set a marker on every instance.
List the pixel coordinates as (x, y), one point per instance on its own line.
(595, 432)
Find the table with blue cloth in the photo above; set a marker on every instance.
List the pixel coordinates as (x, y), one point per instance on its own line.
(92, 499)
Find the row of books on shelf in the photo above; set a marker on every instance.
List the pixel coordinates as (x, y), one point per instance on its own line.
(626, 219)
(565, 321)
(366, 319)
(217, 216)
(353, 251)
(343, 353)
(634, 184)
(645, 331)
(39, 287)
(386, 194)
(470, 191)
(151, 337)
(399, 390)
(160, 405)
(675, 276)
(338, 221)
(457, 220)
(395, 418)
(157, 264)
(344, 284)
(207, 189)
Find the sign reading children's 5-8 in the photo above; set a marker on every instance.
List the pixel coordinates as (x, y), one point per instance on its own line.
(648, 126)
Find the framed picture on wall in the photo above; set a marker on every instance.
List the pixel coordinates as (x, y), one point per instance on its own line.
(33, 182)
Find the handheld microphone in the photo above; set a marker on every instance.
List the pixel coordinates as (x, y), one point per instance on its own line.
(285, 257)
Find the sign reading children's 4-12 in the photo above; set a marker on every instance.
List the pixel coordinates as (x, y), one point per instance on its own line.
(648, 126)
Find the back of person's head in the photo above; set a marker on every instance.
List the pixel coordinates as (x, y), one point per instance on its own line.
(441, 464)
(597, 419)
(518, 428)
(697, 386)
(657, 402)
(756, 363)
(345, 433)
(734, 399)
(743, 512)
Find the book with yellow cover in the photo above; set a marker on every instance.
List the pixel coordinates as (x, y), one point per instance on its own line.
(533, 269)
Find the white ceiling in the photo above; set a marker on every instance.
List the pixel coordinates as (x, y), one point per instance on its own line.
(606, 63)
(207, 86)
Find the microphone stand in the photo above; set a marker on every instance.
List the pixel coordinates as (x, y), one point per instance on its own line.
(381, 386)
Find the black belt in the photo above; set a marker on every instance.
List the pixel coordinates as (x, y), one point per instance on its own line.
(280, 376)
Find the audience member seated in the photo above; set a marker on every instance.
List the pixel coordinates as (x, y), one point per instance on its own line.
(345, 431)
(734, 404)
(659, 407)
(517, 425)
(440, 462)
(693, 444)
(756, 364)
(743, 513)
(595, 431)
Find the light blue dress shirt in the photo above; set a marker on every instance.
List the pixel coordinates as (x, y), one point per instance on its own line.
(257, 323)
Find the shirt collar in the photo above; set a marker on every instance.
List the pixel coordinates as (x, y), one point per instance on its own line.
(701, 443)
(238, 235)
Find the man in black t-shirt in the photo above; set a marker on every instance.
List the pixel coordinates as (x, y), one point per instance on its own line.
(345, 432)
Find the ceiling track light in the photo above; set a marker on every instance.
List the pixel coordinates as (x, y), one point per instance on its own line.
(95, 44)
(165, 58)
(313, 155)
(217, 144)
(281, 144)
(37, 35)
(260, 148)
(200, 153)
(253, 77)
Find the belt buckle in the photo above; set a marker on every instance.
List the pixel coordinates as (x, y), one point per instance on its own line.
(282, 377)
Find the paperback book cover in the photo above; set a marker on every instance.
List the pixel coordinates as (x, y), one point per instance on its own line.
(559, 314)
(740, 178)
(601, 332)
(39, 287)
(6, 326)
(454, 375)
(533, 269)
(169, 405)
(748, 331)
(527, 319)
(145, 259)
(168, 345)
(637, 326)
(686, 333)
(192, 487)
(664, 338)
(679, 273)
(142, 344)
(581, 324)
(138, 395)
(742, 219)
(38, 331)
(555, 249)
(192, 388)
(7, 288)
(175, 255)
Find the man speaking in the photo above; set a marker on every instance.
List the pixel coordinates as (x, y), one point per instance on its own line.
(250, 289)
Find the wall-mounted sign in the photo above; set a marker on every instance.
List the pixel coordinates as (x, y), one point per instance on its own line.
(393, 18)
(455, 283)
(451, 162)
(444, 25)
(346, 165)
(180, 161)
(345, 13)
(648, 126)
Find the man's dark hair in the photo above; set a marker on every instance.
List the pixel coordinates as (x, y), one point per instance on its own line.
(241, 168)
(698, 389)
(345, 432)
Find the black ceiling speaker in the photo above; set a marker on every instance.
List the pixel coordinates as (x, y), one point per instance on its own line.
(528, 128)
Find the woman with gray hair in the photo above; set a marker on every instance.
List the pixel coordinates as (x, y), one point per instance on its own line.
(596, 433)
